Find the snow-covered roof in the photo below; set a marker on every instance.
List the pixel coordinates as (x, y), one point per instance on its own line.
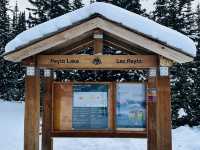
(125, 18)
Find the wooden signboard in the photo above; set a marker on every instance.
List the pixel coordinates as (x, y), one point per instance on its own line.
(99, 109)
(79, 106)
(97, 61)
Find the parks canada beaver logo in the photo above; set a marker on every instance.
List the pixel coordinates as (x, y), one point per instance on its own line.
(97, 61)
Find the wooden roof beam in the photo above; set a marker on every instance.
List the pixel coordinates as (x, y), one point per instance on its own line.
(98, 41)
(119, 43)
(71, 49)
(119, 47)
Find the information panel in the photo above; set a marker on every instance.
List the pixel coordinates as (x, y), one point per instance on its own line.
(90, 106)
(131, 106)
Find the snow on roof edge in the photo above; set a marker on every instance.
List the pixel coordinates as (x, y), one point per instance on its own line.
(128, 19)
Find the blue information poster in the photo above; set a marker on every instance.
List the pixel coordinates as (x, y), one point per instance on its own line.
(90, 106)
(131, 106)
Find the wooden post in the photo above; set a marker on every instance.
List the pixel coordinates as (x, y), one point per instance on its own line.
(32, 109)
(159, 112)
(98, 41)
(151, 109)
(163, 110)
(47, 142)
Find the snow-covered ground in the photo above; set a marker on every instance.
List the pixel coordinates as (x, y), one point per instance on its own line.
(11, 135)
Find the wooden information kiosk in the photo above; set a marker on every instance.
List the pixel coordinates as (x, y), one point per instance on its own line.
(98, 109)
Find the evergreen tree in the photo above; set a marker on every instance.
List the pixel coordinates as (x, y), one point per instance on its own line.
(45, 10)
(131, 5)
(18, 21)
(161, 12)
(77, 4)
(185, 79)
(55, 8)
(4, 38)
(15, 18)
(12, 83)
(4, 26)
(188, 20)
(37, 14)
(176, 14)
(185, 93)
(197, 37)
(16, 71)
(21, 26)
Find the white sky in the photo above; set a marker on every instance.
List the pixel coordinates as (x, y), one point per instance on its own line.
(148, 4)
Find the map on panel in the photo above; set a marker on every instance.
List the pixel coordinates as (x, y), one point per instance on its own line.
(90, 106)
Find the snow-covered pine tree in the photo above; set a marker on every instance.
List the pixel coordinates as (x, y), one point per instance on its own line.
(21, 26)
(131, 5)
(178, 15)
(37, 14)
(13, 74)
(161, 12)
(4, 38)
(45, 10)
(197, 37)
(77, 4)
(14, 22)
(188, 20)
(55, 8)
(185, 78)
(4, 25)
(18, 23)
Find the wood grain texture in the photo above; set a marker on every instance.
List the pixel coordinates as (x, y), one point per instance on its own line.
(32, 113)
(62, 106)
(164, 62)
(104, 61)
(47, 142)
(98, 41)
(100, 134)
(151, 116)
(112, 105)
(163, 110)
(159, 115)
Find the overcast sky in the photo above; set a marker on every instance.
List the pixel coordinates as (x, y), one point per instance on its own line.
(148, 4)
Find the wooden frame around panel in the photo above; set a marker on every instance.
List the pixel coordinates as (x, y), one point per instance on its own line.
(134, 129)
(110, 100)
(112, 131)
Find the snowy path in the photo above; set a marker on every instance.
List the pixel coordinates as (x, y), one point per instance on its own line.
(11, 135)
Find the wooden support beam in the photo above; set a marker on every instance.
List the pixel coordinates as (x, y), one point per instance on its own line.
(32, 109)
(100, 134)
(159, 113)
(163, 111)
(119, 47)
(73, 48)
(98, 41)
(47, 143)
(164, 62)
(151, 111)
(118, 43)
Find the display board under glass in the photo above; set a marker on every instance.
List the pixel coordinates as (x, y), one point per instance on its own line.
(90, 106)
(130, 106)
